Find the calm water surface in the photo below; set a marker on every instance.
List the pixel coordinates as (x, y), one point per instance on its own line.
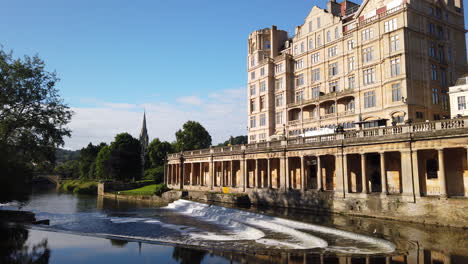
(86, 229)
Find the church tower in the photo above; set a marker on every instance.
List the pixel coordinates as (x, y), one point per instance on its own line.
(144, 141)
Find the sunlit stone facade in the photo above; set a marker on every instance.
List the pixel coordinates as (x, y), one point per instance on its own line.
(381, 63)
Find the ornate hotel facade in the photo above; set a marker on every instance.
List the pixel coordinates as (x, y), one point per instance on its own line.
(380, 63)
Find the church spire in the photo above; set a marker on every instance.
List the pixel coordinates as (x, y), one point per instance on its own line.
(144, 139)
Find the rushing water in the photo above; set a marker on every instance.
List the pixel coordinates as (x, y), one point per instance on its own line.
(189, 232)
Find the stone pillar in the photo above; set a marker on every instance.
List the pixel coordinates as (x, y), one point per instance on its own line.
(302, 173)
(256, 172)
(268, 185)
(415, 167)
(346, 180)
(211, 172)
(243, 168)
(201, 177)
(442, 179)
(192, 174)
(406, 174)
(339, 175)
(365, 182)
(231, 176)
(282, 173)
(383, 173)
(181, 173)
(223, 180)
(319, 174)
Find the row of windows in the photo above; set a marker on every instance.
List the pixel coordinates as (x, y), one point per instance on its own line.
(262, 88)
(262, 121)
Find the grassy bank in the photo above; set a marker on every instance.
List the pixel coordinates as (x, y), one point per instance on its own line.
(79, 186)
(153, 189)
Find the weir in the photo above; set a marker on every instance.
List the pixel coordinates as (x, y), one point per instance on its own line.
(414, 172)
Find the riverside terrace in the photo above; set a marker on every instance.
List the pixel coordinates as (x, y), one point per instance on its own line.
(415, 172)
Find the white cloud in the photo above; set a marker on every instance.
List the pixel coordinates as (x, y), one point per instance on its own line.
(223, 116)
(190, 100)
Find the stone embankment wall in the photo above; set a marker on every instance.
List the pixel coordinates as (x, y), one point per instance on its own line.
(111, 190)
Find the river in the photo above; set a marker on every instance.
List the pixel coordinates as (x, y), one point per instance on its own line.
(87, 229)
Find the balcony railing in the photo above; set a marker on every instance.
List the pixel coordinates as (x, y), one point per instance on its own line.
(433, 128)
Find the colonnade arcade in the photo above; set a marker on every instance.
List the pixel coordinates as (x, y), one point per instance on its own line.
(346, 171)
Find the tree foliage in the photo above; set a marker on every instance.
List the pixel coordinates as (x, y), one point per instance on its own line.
(33, 117)
(235, 141)
(157, 152)
(125, 159)
(192, 136)
(88, 156)
(68, 169)
(102, 167)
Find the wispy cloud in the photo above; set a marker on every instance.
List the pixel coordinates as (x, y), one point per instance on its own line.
(190, 100)
(222, 115)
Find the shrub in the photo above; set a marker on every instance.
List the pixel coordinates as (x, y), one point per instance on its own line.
(160, 189)
(86, 188)
(155, 174)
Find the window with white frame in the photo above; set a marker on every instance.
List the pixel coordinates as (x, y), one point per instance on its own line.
(262, 71)
(369, 76)
(369, 99)
(350, 64)
(310, 26)
(252, 75)
(394, 43)
(253, 122)
(262, 120)
(330, 109)
(299, 64)
(252, 90)
(279, 118)
(396, 92)
(349, 106)
(318, 22)
(315, 92)
(351, 44)
(316, 75)
(461, 102)
(328, 36)
(319, 41)
(279, 68)
(299, 80)
(279, 84)
(299, 96)
(368, 54)
(432, 49)
(262, 86)
(395, 67)
(332, 51)
(262, 137)
(315, 57)
(302, 47)
(252, 138)
(252, 61)
(367, 34)
(311, 44)
(390, 25)
(435, 96)
(333, 69)
(351, 82)
(279, 100)
(337, 33)
(333, 87)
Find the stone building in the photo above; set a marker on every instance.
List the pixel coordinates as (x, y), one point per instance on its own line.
(380, 63)
(458, 96)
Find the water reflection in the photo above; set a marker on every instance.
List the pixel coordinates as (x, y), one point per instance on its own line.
(14, 249)
(188, 256)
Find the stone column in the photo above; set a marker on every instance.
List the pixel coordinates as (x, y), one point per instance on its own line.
(415, 164)
(339, 175)
(243, 167)
(201, 178)
(346, 180)
(231, 176)
(192, 174)
(256, 172)
(319, 174)
(365, 182)
(211, 172)
(442, 179)
(383, 173)
(302, 174)
(181, 173)
(407, 174)
(268, 185)
(282, 173)
(223, 182)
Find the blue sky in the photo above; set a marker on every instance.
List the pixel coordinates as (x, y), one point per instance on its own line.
(178, 59)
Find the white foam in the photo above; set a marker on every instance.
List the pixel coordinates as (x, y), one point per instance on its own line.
(239, 221)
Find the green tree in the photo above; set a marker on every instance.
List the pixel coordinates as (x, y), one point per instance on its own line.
(192, 136)
(235, 141)
(125, 159)
(33, 117)
(103, 168)
(68, 169)
(87, 159)
(157, 152)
